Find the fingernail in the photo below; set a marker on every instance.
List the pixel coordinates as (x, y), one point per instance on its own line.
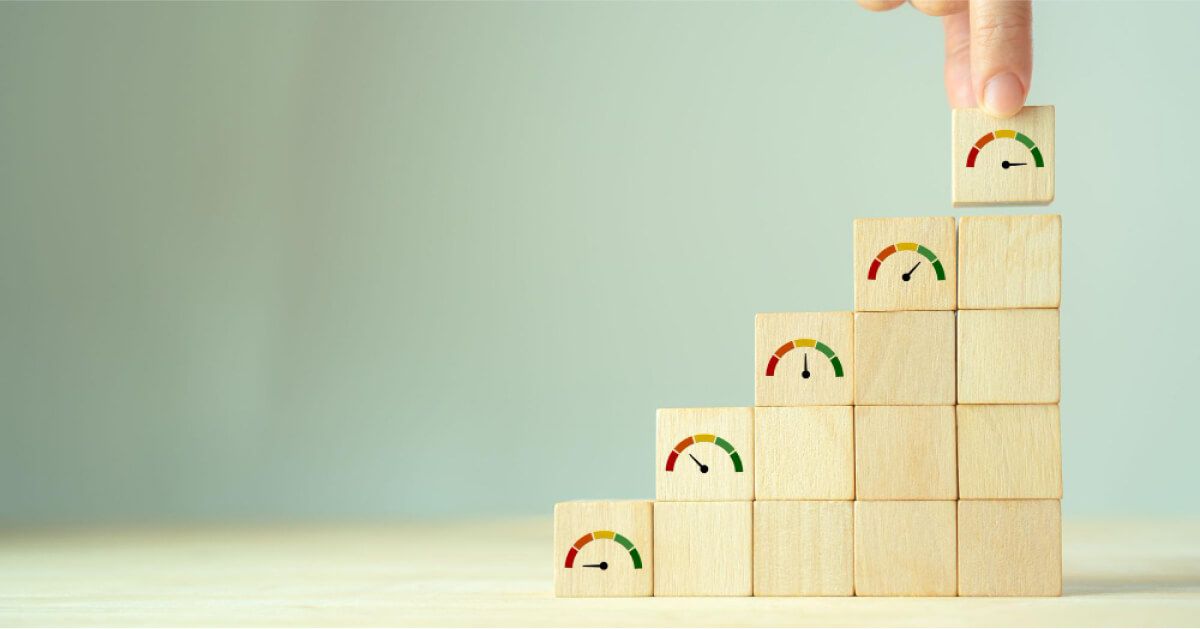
(1003, 95)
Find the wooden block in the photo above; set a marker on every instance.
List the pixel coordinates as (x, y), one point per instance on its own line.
(905, 453)
(1003, 161)
(1009, 261)
(1009, 548)
(803, 548)
(905, 264)
(803, 358)
(904, 548)
(702, 548)
(804, 453)
(604, 548)
(1007, 357)
(903, 358)
(1009, 451)
(705, 454)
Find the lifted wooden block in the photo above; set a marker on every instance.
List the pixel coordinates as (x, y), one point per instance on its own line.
(905, 453)
(1003, 161)
(604, 548)
(1009, 548)
(1009, 261)
(705, 454)
(803, 358)
(1007, 357)
(904, 548)
(1009, 451)
(803, 548)
(702, 548)
(804, 453)
(904, 358)
(905, 264)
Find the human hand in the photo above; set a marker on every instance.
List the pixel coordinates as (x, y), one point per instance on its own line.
(989, 50)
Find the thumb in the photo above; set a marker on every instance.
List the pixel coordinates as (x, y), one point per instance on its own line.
(1001, 54)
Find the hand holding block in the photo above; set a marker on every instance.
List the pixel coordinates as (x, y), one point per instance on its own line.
(904, 358)
(702, 548)
(803, 548)
(1003, 161)
(1009, 261)
(604, 548)
(804, 453)
(1008, 357)
(803, 358)
(904, 548)
(905, 453)
(705, 454)
(1009, 548)
(1009, 451)
(904, 264)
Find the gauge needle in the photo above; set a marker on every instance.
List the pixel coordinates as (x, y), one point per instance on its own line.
(806, 373)
(703, 467)
(908, 276)
(1007, 164)
(603, 565)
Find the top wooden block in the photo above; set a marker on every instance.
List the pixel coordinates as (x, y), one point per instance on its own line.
(905, 264)
(1009, 262)
(1003, 161)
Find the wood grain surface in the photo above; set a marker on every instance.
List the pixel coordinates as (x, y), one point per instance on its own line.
(905, 453)
(1007, 357)
(1009, 451)
(1009, 548)
(804, 453)
(500, 573)
(904, 358)
(1009, 262)
(703, 548)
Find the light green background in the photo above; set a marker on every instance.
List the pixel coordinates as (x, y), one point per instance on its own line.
(340, 261)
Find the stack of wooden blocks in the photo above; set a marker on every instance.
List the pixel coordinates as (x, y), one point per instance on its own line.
(908, 448)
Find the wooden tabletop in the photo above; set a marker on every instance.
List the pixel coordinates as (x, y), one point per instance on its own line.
(498, 573)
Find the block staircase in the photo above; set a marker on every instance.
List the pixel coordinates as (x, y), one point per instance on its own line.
(908, 448)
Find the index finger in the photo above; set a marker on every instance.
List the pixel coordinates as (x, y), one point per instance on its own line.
(1001, 54)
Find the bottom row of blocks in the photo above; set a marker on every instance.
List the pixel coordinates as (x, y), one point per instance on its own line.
(809, 548)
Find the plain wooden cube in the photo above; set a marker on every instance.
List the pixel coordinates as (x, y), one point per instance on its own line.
(604, 548)
(905, 453)
(1009, 451)
(905, 264)
(803, 548)
(803, 358)
(1008, 357)
(702, 548)
(904, 548)
(1009, 261)
(705, 454)
(1003, 161)
(1009, 548)
(904, 358)
(804, 453)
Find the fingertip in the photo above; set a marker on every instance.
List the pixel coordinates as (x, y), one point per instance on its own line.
(879, 5)
(940, 8)
(1003, 95)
